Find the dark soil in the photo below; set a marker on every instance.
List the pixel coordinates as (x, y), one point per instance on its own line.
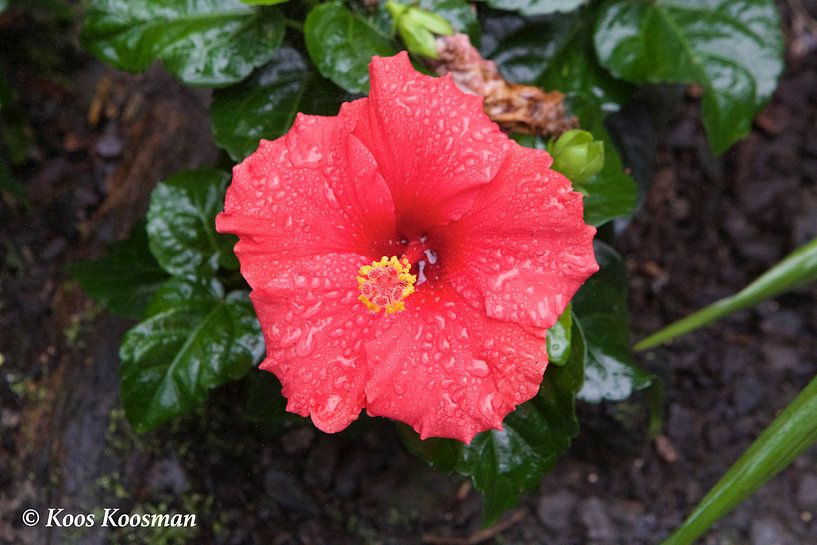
(101, 139)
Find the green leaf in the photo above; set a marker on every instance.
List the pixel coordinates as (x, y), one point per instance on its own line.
(796, 269)
(558, 338)
(791, 433)
(192, 340)
(341, 43)
(443, 454)
(505, 464)
(181, 223)
(209, 43)
(265, 105)
(264, 405)
(733, 48)
(600, 307)
(125, 278)
(566, 62)
(591, 95)
(536, 7)
(611, 193)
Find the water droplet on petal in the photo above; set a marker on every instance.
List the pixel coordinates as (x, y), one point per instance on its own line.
(330, 197)
(306, 343)
(331, 404)
(478, 368)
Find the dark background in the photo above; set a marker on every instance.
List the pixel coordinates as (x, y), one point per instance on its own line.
(98, 140)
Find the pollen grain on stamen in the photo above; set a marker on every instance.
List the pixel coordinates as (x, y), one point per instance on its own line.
(385, 284)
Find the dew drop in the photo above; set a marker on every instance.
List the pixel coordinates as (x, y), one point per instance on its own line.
(487, 406)
(331, 404)
(478, 368)
(306, 343)
(330, 197)
(443, 344)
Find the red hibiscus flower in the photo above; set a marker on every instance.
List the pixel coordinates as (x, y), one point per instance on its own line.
(413, 202)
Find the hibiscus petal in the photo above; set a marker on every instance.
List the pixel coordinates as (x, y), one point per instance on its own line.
(447, 370)
(315, 329)
(308, 209)
(523, 249)
(313, 191)
(433, 143)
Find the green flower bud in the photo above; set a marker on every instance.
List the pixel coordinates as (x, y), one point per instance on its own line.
(430, 21)
(577, 155)
(396, 10)
(417, 28)
(418, 40)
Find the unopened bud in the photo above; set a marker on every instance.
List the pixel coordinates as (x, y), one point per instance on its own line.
(577, 155)
(418, 27)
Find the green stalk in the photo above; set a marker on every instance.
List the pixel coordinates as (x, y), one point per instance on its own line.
(789, 435)
(796, 269)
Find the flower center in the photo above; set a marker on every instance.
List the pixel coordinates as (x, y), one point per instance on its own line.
(385, 284)
(420, 254)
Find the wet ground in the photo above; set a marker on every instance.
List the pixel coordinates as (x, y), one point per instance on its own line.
(101, 139)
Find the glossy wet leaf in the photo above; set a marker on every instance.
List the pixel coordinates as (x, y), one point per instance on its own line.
(341, 43)
(265, 406)
(796, 269)
(505, 464)
(204, 42)
(733, 48)
(566, 62)
(592, 95)
(791, 433)
(443, 454)
(125, 278)
(536, 7)
(558, 338)
(181, 223)
(193, 339)
(600, 307)
(265, 105)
